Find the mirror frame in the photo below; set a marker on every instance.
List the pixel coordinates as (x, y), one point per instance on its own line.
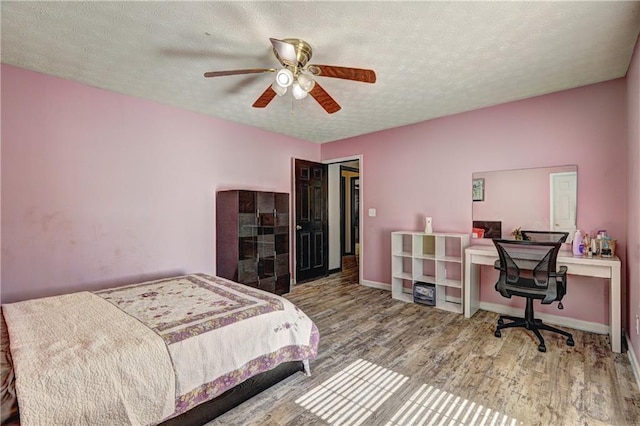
(498, 211)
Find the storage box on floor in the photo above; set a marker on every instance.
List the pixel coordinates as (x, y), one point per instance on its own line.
(424, 293)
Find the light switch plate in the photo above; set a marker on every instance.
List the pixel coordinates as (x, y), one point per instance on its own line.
(372, 212)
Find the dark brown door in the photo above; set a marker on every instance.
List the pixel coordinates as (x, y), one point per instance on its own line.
(312, 237)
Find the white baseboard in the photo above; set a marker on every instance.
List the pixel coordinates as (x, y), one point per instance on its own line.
(592, 327)
(635, 365)
(375, 284)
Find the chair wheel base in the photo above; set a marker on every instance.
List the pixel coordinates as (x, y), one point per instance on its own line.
(542, 348)
(497, 333)
(570, 342)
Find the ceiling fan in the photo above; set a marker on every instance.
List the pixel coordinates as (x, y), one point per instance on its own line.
(294, 55)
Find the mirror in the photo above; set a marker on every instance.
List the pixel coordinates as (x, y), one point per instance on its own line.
(540, 199)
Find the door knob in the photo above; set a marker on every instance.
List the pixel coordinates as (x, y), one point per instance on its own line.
(298, 227)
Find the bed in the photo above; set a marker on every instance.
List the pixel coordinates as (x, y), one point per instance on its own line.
(180, 350)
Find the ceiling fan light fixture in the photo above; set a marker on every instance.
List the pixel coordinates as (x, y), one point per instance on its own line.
(286, 51)
(298, 92)
(284, 77)
(278, 89)
(306, 81)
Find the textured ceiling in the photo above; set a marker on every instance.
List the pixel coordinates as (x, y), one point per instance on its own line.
(432, 59)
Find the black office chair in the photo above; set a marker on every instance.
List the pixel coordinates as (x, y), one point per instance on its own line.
(552, 236)
(528, 269)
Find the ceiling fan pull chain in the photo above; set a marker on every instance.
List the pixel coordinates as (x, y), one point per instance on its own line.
(292, 109)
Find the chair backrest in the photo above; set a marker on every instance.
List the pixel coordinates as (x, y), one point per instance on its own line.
(539, 257)
(545, 236)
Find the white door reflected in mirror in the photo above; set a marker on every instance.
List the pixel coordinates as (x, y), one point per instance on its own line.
(563, 202)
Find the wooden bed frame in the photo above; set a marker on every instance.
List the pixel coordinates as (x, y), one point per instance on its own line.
(246, 390)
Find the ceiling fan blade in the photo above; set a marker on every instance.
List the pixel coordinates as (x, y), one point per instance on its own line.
(236, 72)
(347, 73)
(286, 52)
(264, 99)
(324, 99)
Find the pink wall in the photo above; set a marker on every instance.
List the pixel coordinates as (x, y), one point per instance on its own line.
(633, 196)
(426, 168)
(100, 188)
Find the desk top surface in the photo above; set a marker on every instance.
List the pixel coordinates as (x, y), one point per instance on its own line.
(563, 256)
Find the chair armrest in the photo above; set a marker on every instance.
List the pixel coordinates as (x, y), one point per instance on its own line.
(560, 274)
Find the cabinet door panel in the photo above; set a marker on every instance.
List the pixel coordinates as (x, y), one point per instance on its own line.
(267, 219)
(283, 284)
(282, 264)
(247, 248)
(247, 271)
(265, 201)
(253, 284)
(266, 267)
(265, 230)
(282, 202)
(246, 202)
(281, 243)
(266, 245)
(247, 225)
(282, 220)
(268, 284)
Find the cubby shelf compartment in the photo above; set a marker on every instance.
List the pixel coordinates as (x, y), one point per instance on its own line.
(436, 258)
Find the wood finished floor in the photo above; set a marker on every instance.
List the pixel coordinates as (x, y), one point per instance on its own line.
(466, 374)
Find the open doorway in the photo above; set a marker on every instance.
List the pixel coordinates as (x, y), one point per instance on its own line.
(344, 218)
(349, 260)
(349, 212)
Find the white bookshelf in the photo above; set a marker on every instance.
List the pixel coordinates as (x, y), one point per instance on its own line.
(436, 258)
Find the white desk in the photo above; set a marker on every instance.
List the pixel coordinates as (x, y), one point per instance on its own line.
(592, 267)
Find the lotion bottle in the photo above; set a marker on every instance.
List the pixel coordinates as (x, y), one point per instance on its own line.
(578, 244)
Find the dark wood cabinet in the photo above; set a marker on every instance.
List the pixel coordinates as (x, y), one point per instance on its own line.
(252, 239)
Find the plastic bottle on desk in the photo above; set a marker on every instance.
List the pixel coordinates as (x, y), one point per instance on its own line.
(578, 244)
